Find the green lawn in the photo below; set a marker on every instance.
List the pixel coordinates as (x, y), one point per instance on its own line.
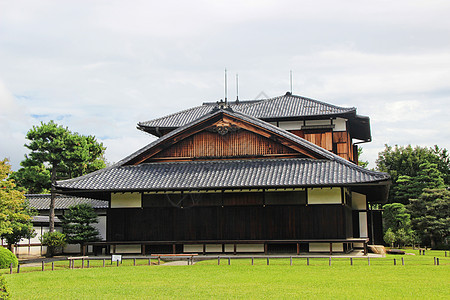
(419, 278)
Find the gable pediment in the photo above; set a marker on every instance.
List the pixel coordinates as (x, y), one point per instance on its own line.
(224, 135)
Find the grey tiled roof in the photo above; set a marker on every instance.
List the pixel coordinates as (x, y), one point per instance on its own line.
(292, 172)
(240, 173)
(44, 219)
(42, 201)
(287, 106)
(186, 116)
(298, 140)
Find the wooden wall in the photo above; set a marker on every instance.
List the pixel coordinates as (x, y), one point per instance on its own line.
(230, 223)
(338, 142)
(207, 144)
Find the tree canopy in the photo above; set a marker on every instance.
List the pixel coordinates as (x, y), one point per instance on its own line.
(56, 147)
(431, 216)
(413, 169)
(63, 153)
(15, 214)
(77, 224)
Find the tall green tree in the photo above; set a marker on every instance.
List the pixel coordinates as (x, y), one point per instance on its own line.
(33, 177)
(15, 214)
(397, 221)
(65, 154)
(405, 163)
(431, 216)
(77, 224)
(407, 187)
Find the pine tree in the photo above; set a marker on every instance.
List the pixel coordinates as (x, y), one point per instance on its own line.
(77, 224)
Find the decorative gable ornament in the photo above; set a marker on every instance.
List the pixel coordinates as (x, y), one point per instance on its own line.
(223, 128)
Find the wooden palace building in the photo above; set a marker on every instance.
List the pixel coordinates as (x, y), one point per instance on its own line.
(272, 175)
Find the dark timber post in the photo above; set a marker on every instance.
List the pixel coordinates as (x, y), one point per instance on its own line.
(42, 266)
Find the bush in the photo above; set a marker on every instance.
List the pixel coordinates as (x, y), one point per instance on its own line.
(55, 241)
(4, 294)
(6, 258)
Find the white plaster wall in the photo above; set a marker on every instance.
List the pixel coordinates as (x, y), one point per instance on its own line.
(124, 200)
(324, 196)
(359, 201)
(126, 249)
(317, 122)
(194, 248)
(250, 248)
(213, 248)
(340, 124)
(291, 125)
(325, 247)
(101, 227)
(363, 231)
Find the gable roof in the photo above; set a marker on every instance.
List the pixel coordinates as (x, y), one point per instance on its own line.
(283, 107)
(216, 114)
(130, 174)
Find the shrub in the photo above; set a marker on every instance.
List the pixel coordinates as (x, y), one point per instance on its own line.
(6, 258)
(54, 241)
(4, 294)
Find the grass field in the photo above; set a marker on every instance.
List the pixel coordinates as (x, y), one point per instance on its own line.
(419, 278)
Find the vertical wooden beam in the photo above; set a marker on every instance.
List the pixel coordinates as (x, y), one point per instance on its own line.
(331, 248)
(204, 249)
(265, 248)
(234, 249)
(174, 249)
(298, 248)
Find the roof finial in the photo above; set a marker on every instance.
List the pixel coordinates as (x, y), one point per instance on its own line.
(226, 87)
(237, 88)
(291, 80)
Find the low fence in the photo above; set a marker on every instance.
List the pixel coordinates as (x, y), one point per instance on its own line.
(85, 261)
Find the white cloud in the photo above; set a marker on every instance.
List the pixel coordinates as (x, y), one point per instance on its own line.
(99, 67)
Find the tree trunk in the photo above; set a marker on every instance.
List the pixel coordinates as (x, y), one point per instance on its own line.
(433, 241)
(51, 220)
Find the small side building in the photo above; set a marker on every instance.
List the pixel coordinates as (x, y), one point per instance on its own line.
(41, 203)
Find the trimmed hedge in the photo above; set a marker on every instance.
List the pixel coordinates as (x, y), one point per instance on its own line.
(6, 258)
(4, 294)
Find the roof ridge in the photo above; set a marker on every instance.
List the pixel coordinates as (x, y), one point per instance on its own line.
(170, 115)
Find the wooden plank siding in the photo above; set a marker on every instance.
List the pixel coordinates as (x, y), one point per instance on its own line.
(230, 223)
(338, 142)
(241, 143)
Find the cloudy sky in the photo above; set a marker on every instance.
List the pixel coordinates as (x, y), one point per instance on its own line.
(99, 67)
